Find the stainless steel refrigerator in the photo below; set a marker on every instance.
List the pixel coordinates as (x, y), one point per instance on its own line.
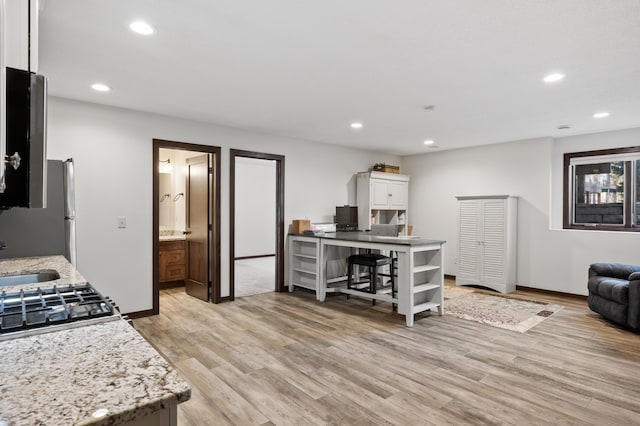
(44, 231)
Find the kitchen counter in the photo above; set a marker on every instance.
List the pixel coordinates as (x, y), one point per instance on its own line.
(102, 374)
(30, 265)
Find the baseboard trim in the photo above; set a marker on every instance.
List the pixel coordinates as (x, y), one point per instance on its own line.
(140, 314)
(171, 284)
(254, 257)
(550, 292)
(534, 290)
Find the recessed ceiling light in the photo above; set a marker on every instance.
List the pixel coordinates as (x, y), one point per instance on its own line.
(552, 78)
(141, 27)
(356, 125)
(601, 114)
(428, 142)
(99, 87)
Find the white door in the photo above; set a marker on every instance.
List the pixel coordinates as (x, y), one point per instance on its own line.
(379, 194)
(468, 242)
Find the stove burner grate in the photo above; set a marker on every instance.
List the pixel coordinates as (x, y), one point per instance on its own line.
(28, 309)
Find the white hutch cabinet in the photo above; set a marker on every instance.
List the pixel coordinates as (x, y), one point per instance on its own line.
(382, 199)
(487, 228)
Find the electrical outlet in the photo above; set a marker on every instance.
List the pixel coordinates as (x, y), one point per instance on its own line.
(122, 222)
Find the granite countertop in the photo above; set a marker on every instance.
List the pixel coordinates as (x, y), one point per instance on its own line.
(172, 237)
(102, 374)
(32, 265)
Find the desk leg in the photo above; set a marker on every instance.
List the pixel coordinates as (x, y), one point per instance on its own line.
(405, 295)
(409, 320)
(321, 276)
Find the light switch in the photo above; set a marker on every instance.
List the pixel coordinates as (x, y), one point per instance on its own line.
(122, 222)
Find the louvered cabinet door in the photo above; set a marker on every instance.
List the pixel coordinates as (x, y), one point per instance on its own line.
(468, 242)
(487, 242)
(493, 241)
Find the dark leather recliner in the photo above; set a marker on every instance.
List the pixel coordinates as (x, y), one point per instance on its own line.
(614, 293)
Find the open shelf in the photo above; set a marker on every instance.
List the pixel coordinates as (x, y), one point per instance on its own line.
(425, 306)
(303, 265)
(305, 256)
(304, 271)
(425, 287)
(423, 268)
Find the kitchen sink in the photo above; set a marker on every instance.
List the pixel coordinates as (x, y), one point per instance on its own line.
(38, 277)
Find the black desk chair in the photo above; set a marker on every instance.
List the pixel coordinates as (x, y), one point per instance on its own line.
(372, 261)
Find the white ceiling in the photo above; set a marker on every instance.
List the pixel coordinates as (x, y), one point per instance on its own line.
(307, 69)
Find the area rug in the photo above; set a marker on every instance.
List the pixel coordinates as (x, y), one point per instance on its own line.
(496, 310)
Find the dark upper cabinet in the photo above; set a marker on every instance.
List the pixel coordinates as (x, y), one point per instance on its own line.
(25, 135)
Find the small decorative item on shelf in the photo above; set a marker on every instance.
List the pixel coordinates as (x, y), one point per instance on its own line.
(386, 168)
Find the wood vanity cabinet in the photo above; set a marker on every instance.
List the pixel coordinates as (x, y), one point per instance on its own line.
(172, 261)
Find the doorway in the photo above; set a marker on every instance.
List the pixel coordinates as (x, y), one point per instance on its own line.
(267, 251)
(187, 213)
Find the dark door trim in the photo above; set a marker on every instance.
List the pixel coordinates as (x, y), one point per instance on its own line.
(215, 208)
(279, 159)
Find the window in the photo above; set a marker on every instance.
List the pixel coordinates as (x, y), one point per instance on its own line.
(602, 190)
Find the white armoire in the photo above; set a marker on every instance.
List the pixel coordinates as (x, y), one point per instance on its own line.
(487, 228)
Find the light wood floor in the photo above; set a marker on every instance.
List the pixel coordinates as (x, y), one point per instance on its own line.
(284, 358)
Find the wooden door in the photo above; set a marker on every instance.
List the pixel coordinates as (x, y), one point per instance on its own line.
(197, 223)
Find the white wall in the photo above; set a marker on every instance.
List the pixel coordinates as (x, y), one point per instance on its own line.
(548, 257)
(255, 206)
(113, 152)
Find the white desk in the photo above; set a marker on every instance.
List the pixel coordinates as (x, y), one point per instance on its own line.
(420, 279)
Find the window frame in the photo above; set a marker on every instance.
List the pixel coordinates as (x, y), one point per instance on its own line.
(567, 189)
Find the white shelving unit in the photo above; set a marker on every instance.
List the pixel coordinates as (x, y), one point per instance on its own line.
(303, 262)
(427, 280)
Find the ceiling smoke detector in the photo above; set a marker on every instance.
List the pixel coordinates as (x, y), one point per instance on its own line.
(429, 108)
(564, 127)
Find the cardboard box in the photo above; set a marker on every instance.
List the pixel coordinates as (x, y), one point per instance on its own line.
(298, 226)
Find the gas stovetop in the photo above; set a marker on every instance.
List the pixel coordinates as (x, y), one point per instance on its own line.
(47, 309)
